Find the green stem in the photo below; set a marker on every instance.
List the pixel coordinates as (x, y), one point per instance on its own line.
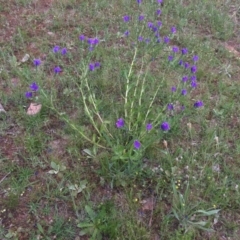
(151, 103)
(135, 93)
(128, 87)
(72, 125)
(95, 107)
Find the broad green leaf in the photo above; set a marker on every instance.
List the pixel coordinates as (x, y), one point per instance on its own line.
(83, 232)
(55, 166)
(40, 228)
(90, 212)
(9, 235)
(95, 233)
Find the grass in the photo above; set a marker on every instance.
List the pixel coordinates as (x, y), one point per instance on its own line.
(85, 166)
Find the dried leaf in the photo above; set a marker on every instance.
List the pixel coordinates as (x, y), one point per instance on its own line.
(15, 82)
(232, 50)
(34, 108)
(2, 109)
(53, 172)
(50, 33)
(148, 204)
(25, 58)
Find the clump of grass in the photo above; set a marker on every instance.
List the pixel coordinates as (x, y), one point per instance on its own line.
(140, 116)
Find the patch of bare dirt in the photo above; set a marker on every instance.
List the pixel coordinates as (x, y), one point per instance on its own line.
(32, 20)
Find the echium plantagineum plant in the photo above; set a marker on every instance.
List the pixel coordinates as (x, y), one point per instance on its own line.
(143, 118)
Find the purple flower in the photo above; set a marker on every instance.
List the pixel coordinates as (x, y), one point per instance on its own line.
(166, 39)
(139, 1)
(159, 1)
(34, 87)
(184, 51)
(154, 28)
(159, 23)
(126, 33)
(140, 39)
(180, 62)
(147, 40)
(195, 58)
(81, 38)
(170, 106)
(97, 64)
(170, 58)
(90, 41)
(149, 126)
(93, 41)
(137, 144)
(91, 67)
(198, 104)
(28, 94)
(175, 49)
(126, 18)
(64, 51)
(157, 35)
(159, 40)
(56, 49)
(141, 18)
(193, 68)
(158, 12)
(193, 78)
(57, 69)
(150, 25)
(173, 30)
(184, 78)
(120, 123)
(193, 84)
(90, 49)
(186, 65)
(184, 92)
(165, 126)
(36, 62)
(173, 89)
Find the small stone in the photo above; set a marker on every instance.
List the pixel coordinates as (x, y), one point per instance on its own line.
(2, 110)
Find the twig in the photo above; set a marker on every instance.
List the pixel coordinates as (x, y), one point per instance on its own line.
(150, 221)
(4, 177)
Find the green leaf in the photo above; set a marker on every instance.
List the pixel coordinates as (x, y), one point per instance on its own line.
(175, 214)
(40, 228)
(208, 213)
(72, 187)
(9, 235)
(95, 233)
(55, 166)
(83, 232)
(85, 225)
(82, 185)
(88, 152)
(62, 168)
(90, 212)
(200, 223)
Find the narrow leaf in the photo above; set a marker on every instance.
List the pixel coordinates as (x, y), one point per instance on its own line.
(208, 213)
